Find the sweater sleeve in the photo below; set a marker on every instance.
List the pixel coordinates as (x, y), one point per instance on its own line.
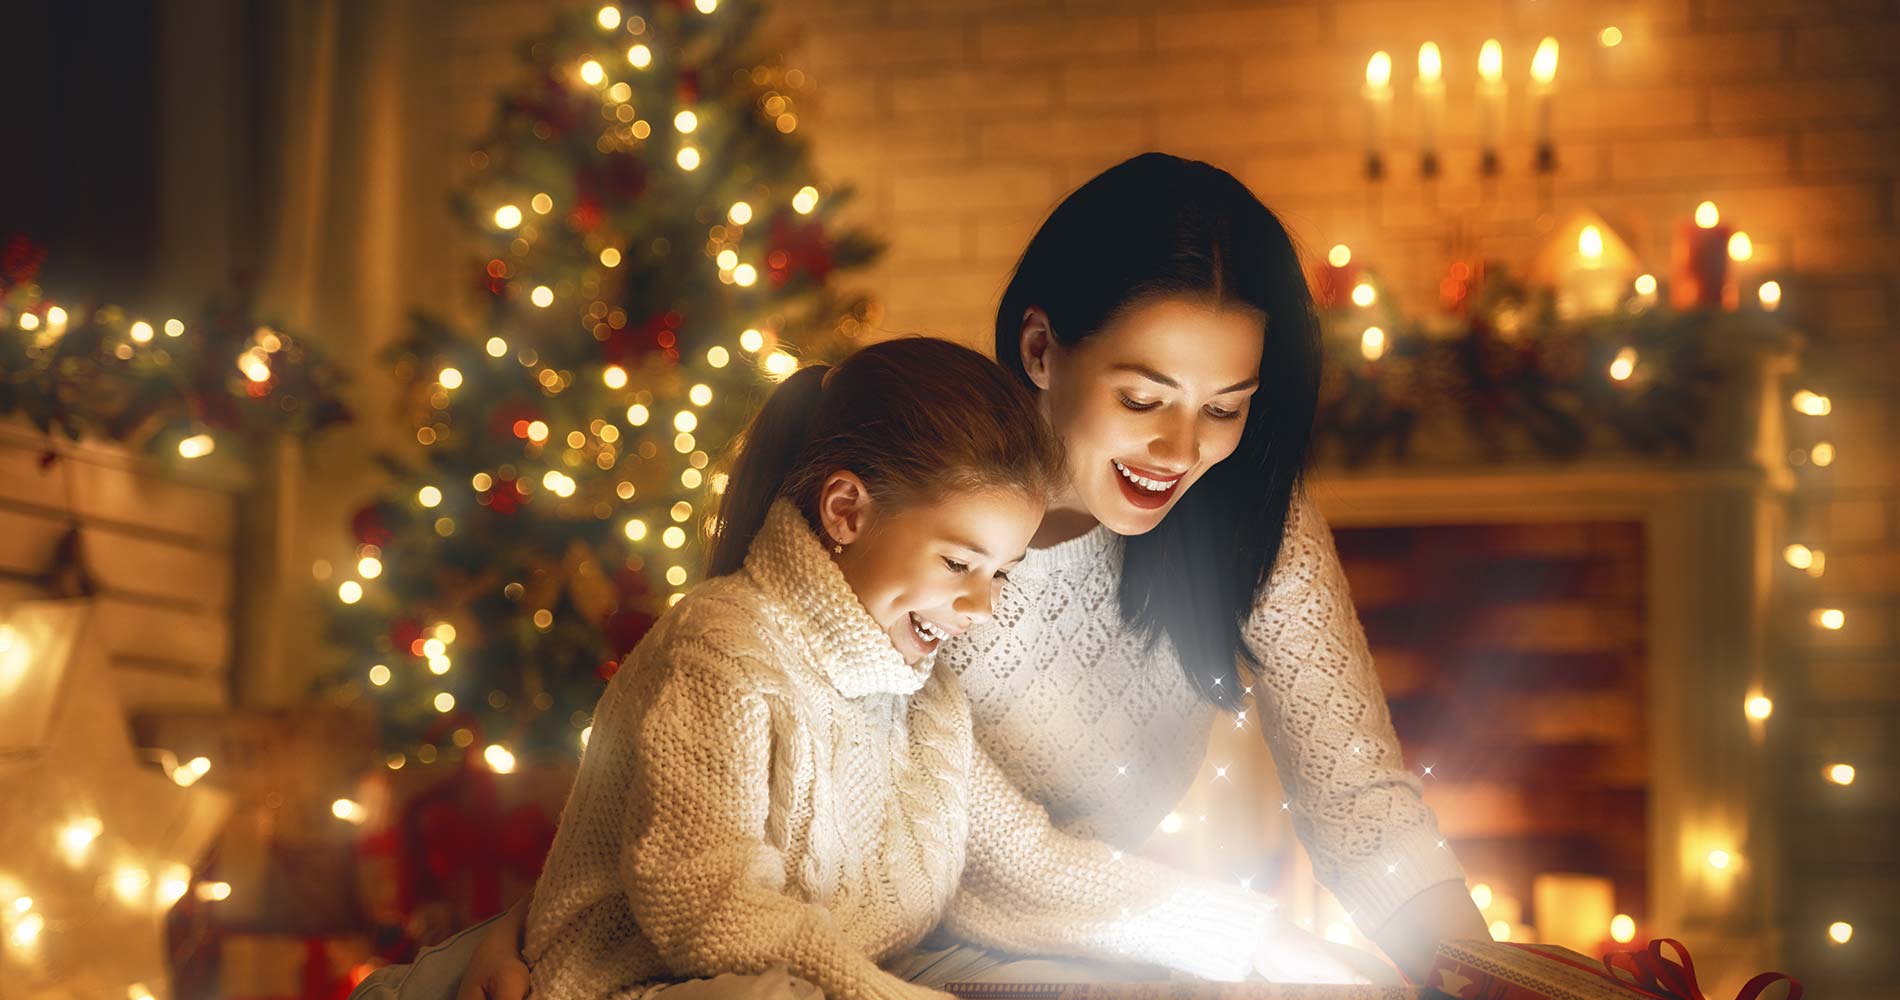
(707, 889)
(1357, 808)
(1030, 888)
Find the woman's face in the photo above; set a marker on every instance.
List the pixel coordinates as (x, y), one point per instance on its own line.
(927, 571)
(1148, 404)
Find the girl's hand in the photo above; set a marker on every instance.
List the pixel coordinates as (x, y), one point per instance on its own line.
(496, 971)
(1291, 955)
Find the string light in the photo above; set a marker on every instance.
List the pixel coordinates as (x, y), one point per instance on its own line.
(1364, 295)
(173, 885)
(636, 529)
(1645, 284)
(638, 415)
(614, 376)
(197, 446)
(752, 341)
(718, 357)
(1740, 247)
(139, 991)
(173, 328)
(141, 332)
(586, 734)
(349, 591)
(429, 496)
(213, 892)
(685, 420)
(1840, 932)
(805, 200)
(508, 217)
(740, 213)
(1798, 556)
(745, 275)
(347, 810)
(673, 537)
(1822, 454)
(1770, 295)
(1339, 256)
(1706, 216)
(701, 394)
(609, 17)
(444, 702)
(1758, 707)
(1840, 774)
(780, 365)
(29, 322)
(497, 347)
(688, 158)
(1832, 619)
(610, 257)
(1812, 403)
(676, 575)
(640, 57)
(499, 759)
(592, 72)
(1624, 366)
(379, 674)
(1372, 343)
(1622, 928)
(686, 121)
(542, 296)
(450, 378)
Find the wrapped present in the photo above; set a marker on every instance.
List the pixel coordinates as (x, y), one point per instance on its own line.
(1496, 970)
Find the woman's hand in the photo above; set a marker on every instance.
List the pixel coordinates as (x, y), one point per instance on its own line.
(1291, 955)
(496, 971)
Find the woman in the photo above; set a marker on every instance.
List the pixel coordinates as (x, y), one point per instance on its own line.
(1162, 316)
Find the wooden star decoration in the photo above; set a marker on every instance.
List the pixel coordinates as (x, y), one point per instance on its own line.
(95, 847)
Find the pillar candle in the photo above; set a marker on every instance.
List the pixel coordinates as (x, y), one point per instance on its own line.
(1700, 274)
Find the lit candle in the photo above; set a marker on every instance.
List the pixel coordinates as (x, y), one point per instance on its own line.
(1701, 260)
(1431, 106)
(1378, 107)
(1491, 90)
(1543, 85)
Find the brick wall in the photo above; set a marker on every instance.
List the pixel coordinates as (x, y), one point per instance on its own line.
(963, 121)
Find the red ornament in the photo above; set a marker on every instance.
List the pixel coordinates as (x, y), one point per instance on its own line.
(370, 525)
(792, 248)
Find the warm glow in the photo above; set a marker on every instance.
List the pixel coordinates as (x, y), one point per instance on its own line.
(780, 365)
(1339, 256)
(1611, 36)
(1500, 930)
(1841, 774)
(508, 217)
(1645, 284)
(379, 675)
(444, 702)
(1171, 823)
(1811, 403)
(676, 575)
(592, 73)
(173, 884)
(727, 259)
(614, 376)
(1625, 364)
(538, 431)
(673, 537)
(1481, 895)
(450, 378)
(706, 6)
(805, 200)
(1372, 343)
(141, 332)
(499, 759)
(1544, 63)
(1622, 928)
(1590, 244)
(586, 734)
(1770, 295)
(1832, 619)
(347, 810)
(609, 17)
(542, 296)
(1706, 216)
(688, 158)
(212, 892)
(29, 321)
(1822, 454)
(429, 496)
(1840, 931)
(640, 56)
(610, 257)
(349, 591)
(1491, 61)
(740, 213)
(76, 838)
(1720, 859)
(1363, 294)
(685, 420)
(1740, 247)
(1379, 71)
(636, 529)
(55, 316)
(752, 340)
(1430, 65)
(686, 121)
(1799, 556)
(700, 394)
(496, 347)
(197, 446)
(173, 328)
(638, 415)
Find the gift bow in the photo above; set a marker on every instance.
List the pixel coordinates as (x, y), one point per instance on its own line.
(1655, 972)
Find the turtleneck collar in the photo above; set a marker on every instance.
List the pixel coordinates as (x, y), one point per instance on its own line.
(853, 652)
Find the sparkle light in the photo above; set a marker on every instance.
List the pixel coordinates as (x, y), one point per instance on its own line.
(805, 200)
(1706, 215)
(1840, 931)
(1811, 403)
(740, 213)
(727, 259)
(1759, 707)
(1645, 284)
(1841, 774)
(349, 591)
(640, 56)
(1340, 255)
(499, 759)
(1363, 295)
(688, 158)
(684, 421)
(347, 810)
(1720, 859)
(1379, 70)
(508, 216)
(1770, 295)
(1622, 928)
(76, 838)
(676, 575)
(197, 446)
(542, 296)
(1500, 930)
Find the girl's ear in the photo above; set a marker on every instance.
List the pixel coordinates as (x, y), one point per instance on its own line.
(845, 507)
(1037, 346)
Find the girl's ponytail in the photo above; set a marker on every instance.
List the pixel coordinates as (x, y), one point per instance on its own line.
(768, 452)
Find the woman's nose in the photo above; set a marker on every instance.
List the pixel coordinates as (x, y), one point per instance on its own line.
(976, 604)
(1178, 443)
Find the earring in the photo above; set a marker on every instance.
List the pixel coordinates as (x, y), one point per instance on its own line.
(837, 549)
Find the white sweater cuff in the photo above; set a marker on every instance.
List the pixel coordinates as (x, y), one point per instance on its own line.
(1410, 863)
(1207, 930)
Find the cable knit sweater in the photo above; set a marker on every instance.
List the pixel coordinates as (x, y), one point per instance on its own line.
(1109, 739)
(769, 783)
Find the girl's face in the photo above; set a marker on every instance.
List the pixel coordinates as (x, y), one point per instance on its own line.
(1147, 404)
(927, 571)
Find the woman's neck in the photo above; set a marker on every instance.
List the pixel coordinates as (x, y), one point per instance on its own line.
(1065, 518)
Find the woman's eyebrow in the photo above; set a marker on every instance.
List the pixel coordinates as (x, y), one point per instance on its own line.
(1154, 376)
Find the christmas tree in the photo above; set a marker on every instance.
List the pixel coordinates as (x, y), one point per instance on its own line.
(650, 242)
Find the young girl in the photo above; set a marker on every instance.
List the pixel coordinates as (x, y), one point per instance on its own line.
(780, 792)
(1161, 317)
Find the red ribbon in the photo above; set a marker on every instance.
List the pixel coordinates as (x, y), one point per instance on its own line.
(1655, 972)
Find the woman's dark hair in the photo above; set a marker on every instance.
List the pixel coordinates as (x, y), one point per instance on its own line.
(1156, 227)
(916, 419)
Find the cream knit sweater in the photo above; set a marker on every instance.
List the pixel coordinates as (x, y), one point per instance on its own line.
(1108, 739)
(769, 783)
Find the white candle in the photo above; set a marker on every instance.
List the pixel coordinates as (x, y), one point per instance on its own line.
(1431, 104)
(1378, 107)
(1543, 85)
(1491, 90)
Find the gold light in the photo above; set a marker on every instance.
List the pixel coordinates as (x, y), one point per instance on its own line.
(444, 702)
(1770, 295)
(1379, 70)
(1812, 403)
(196, 446)
(1544, 63)
(1841, 774)
(347, 810)
(507, 217)
(701, 394)
(450, 378)
(542, 296)
(1840, 931)
(640, 56)
(740, 213)
(1740, 247)
(688, 158)
(805, 200)
(636, 529)
(1491, 61)
(779, 365)
(1372, 343)
(686, 121)
(379, 675)
(1611, 37)
(593, 73)
(1645, 284)
(718, 357)
(349, 592)
(1822, 454)
(1706, 216)
(496, 347)
(1720, 859)
(1340, 255)
(614, 376)
(499, 759)
(1625, 364)
(609, 17)
(1799, 556)
(610, 257)
(1363, 294)
(1758, 707)
(1622, 928)
(1590, 244)
(141, 332)
(752, 340)
(1832, 619)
